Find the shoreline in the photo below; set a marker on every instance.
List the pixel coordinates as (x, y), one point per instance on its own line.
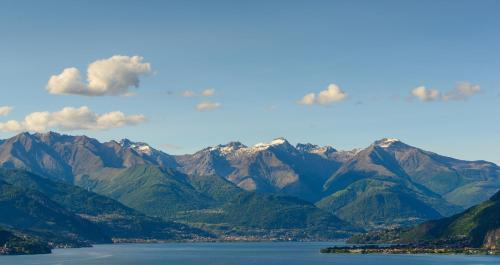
(409, 249)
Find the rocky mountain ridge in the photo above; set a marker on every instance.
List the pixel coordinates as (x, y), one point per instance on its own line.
(388, 182)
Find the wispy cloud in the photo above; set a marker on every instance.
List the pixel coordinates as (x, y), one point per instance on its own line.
(328, 96)
(188, 93)
(462, 91)
(111, 76)
(209, 92)
(208, 105)
(70, 119)
(5, 110)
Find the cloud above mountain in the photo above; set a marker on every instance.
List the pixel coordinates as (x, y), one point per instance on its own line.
(111, 76)
(5, 110)
(204, 105)
(70, 119)
(326, 97)
(462, 91)
(208, 105)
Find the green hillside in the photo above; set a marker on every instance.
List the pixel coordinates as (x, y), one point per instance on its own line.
(250, 210)
(113, 218)
(150, 189)
(11, 244)
(477, 226)
(474, 224)
(30, 210)
(218, 189)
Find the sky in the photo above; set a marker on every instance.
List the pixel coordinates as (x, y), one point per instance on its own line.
(184, 75)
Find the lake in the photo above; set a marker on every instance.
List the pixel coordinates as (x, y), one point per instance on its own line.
(268, 253)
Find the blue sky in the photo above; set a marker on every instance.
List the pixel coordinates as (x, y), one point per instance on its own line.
(261, 58)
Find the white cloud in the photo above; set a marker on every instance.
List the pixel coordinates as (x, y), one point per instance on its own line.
(332, 94)
(188, 93)
(326, 97)
(69, 119)
(208, 105)
(462, 91)
(5, 110)
(11, 126)
(426, 94)
(308, 99)
(112, 76)
(208, 92)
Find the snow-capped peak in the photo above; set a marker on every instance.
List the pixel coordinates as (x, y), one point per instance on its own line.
(386, 142)
(275, 142)
(278, 141)
(323, 150)
(228, 148)
(139, 147)
(237, 148)
(316, 149)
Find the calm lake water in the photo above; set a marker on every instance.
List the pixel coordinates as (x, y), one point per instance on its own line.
(232, 253)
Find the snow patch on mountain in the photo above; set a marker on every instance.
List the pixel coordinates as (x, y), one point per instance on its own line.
(139, 147)
(275, 142)
(386, 142)
(229, 148)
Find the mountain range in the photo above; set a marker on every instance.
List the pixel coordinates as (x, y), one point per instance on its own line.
(270, 186)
